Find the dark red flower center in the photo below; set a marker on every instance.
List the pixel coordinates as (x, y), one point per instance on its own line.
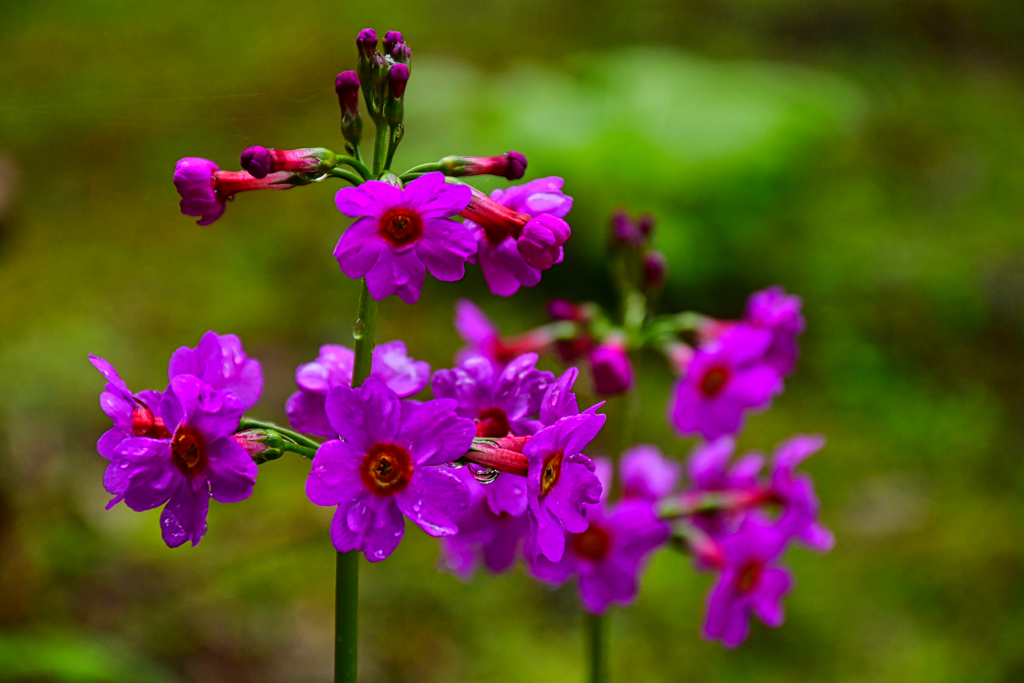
(714, 379)
(551, 472)
(593, 543)
(401, 226)
(144, 423)
(386, 469)
(188, 451)
(492, 423)
(750, 576)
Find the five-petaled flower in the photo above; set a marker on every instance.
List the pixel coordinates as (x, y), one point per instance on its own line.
(382, 467)
(402, 233)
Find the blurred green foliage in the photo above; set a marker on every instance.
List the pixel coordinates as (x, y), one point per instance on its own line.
(864, 155)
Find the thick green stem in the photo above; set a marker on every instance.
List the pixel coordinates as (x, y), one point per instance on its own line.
(597, 628)
(380, 148)
(346, 600)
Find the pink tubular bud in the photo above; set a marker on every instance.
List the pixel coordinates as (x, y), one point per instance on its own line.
(655, 270)
(366, 41)
(249, 440)
(496, 219)
(510, 165)
(498, 458)
(391, 39)
(260, 161)
(540, 243)
(611, 369)
(226, 184)
(347, 87)
(398, 78)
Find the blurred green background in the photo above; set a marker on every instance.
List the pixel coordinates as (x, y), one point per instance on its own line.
(866, 155)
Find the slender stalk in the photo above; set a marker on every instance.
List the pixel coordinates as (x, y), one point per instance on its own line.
(380, 148)
(596, 641)
(345, 174)
(346, 597)
(248, 423)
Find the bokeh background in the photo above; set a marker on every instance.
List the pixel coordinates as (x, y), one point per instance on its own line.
(866, 155)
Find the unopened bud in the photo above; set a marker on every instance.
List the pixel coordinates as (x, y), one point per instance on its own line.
(402, 54)
(610, 367)
(655, 270)
(510, 165)
(366, 41)
(560, 309)
(625, 231)
(398, 78)
(645, 224)
(255, 443)
(391, 38)
(347, 87)
(260, 161)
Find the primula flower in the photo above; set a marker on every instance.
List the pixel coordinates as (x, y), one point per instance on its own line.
(710, 469)
(751, 583)
(724, 379)
(130, 413)
(647, 474)
(486, 536)
(220, 361)
(401, 233)
(391, 364)
(519, 232)
(184, 469)
(483, 338)
(610, 367)
(779, 312)
(609, 556)
(561, 482)
(382, 467)
(205, 189)
(797, 495)
(559, 401)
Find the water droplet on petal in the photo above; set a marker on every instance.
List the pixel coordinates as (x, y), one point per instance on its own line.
(484, 475)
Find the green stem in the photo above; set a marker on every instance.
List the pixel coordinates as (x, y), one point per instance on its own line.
(354, 163)
(380, 148)
(346, 596)
(345, 174)
(248, 423)
(597, 643)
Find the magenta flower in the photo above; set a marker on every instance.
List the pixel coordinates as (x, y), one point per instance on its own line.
(608, 558)
(610, 367)
(476, 329)
(130, 413)
(779, 312)
(647, 474)
(400, 234)
(519, 232)
(184, 470)
(559, 401)
(220, 362)
(205, 189)
(391, 364)
(725, 379)
(382, 467)
(751, 583)
(485, 536)
(796, 493)
(711, 470)
(561, 482)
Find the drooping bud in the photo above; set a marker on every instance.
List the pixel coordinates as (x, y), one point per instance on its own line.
(391, 38)
(260, 161)
(347, 87)
(655, 270)
(510, 165)
(610, 367)
(366, 41)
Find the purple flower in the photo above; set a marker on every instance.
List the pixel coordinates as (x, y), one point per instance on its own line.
(561, 482)
(797, 495)
(608, 557)
(647, 474)
(610, 368)
(194, 181)
(751, 583)
(381, 468)
(131, 414)
(185, 470)
(519, 232)
(724, 379)
(333, 367)
(559, 401)
(220, 362)
(400, 233)
(476, 329)
(709, 470)
(484, 535)
(779, 312)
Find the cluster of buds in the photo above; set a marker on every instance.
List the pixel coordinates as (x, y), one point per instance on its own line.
(637, 266)
(383, 77)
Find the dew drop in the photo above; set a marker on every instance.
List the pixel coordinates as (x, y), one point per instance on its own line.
(484, 475)
(455, 465)
(357, 329)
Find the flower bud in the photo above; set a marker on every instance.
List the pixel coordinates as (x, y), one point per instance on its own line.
(261, 445)
(260, 161)
(402, 54)
(511, 165)
(645, 224)
(610, 367)
(391, 38)
(347, 87)
(540, 243)
(366, 41)
(655, 270)
(625, 231)
(560, 309)
(398, 78)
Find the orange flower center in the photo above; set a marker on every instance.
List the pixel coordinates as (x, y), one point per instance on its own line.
(492, 423)
(188, 451)
(401, 226)
(592, 544)
(551, 472)
(714, 380)
(386, 469)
